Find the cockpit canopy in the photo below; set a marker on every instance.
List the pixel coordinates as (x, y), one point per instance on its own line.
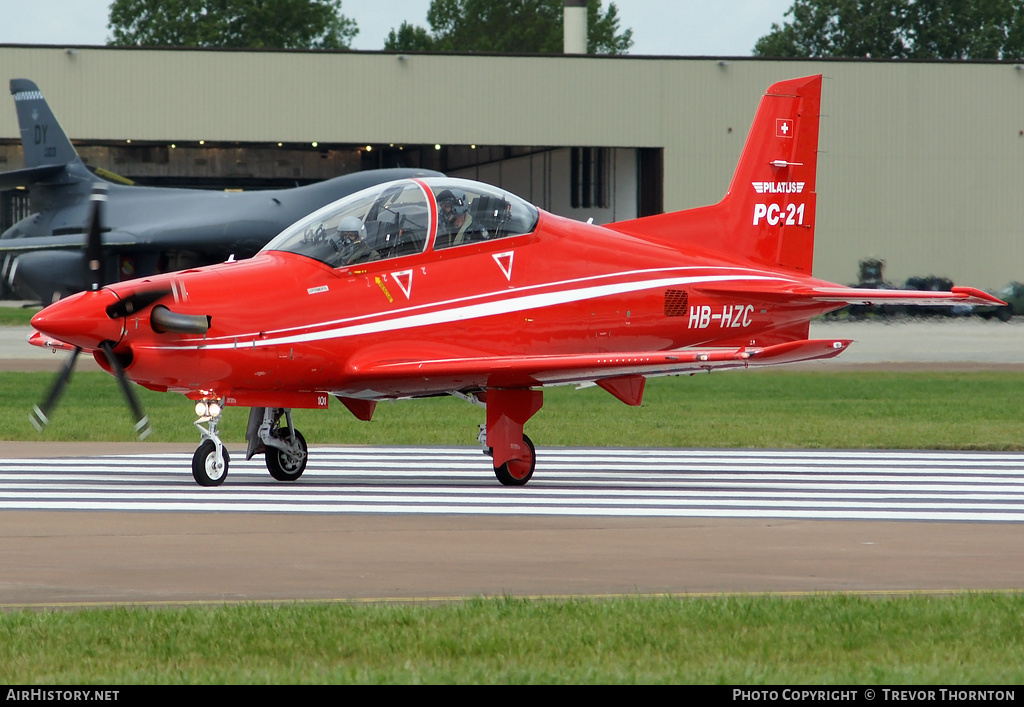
(401, 218)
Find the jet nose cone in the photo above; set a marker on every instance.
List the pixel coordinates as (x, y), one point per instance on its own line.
(81, 320)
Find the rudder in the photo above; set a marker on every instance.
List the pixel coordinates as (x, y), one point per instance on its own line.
(42, 139)
(767, 214)
(770, 204)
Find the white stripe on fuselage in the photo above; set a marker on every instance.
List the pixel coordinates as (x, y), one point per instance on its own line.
(517, 302)
(404, 311)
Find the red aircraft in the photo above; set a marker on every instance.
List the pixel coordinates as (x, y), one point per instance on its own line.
(441, 286)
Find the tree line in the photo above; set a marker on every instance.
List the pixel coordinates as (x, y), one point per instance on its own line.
(881, 29)
(499, 26)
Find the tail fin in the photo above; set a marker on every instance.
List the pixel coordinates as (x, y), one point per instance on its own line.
(42, 139)
(767, 214)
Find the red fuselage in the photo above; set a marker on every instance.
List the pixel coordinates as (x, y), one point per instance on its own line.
(282, 323)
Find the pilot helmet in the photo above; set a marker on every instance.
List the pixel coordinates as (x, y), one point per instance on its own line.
(352, 224)
(456, 198)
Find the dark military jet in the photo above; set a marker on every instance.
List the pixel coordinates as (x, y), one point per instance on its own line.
(148, 229)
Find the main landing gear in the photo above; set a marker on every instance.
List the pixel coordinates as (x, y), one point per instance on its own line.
(502, 438)
(283, 446)
(519, 470)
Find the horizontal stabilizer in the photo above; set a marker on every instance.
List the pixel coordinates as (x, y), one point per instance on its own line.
(855, 295)
(797, 292)
(26, 177)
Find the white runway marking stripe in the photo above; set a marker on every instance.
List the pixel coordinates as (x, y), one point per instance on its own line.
(813, 484)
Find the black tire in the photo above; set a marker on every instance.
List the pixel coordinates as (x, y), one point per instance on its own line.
(283, 466)
(203, 470)
(516, 472)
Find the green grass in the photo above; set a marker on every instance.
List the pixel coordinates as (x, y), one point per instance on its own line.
(784, 409)
(961, 639)
(17, 316)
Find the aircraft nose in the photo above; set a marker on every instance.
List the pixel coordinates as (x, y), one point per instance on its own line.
(81, 320)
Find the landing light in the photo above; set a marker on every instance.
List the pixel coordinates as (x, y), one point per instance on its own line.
(208, 408)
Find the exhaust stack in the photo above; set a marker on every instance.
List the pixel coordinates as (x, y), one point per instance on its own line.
(574, 23)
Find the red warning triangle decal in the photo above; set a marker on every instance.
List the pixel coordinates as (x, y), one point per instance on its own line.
(504, 261)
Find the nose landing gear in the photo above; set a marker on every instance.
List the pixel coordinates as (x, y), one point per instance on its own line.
(210, 462)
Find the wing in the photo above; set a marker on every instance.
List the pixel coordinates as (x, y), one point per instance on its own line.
(114, 239)
(616, 372)
(46, 266)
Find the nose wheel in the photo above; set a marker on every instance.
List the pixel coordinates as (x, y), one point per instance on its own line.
(210, 468)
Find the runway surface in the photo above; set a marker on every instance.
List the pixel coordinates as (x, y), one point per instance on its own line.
(805, 484)
(414, 524)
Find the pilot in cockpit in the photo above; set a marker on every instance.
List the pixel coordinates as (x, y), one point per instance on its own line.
(455, 225)
(353, 248)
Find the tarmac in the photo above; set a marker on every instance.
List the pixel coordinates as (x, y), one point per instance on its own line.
(932, 341)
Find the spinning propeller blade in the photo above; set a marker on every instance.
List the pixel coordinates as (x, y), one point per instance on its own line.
(94, 239)
(93, 254)
(39, 417)
(142, 428)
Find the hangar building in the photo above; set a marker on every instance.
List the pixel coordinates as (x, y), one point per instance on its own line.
(919, 161)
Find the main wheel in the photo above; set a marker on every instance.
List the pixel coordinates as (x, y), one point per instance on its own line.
(284, 466)
(205, 470)
(516, 472)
